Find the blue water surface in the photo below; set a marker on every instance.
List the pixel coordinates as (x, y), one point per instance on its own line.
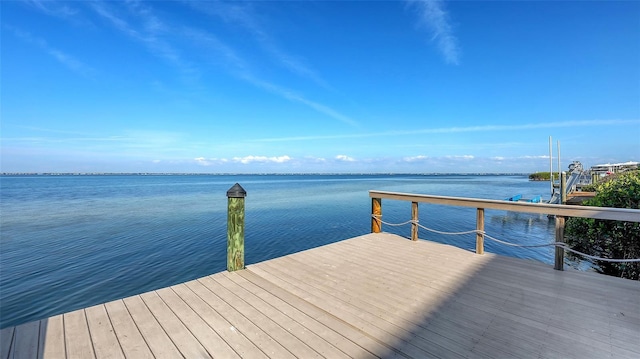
(68, 242)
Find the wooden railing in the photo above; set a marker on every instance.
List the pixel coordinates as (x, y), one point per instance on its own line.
(561, 212)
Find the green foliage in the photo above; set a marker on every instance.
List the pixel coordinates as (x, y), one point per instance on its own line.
(542, 176)
(610, 239)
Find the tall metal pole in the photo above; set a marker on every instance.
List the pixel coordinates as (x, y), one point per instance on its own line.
(559, 166)
(551, 164)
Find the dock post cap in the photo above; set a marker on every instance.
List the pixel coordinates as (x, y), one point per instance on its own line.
(236, 191)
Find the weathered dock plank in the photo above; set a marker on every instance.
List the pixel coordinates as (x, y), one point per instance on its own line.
(158, 341)
(261, 319)
(105, 342)
(129, 337)
(377, 295)
(233, 343)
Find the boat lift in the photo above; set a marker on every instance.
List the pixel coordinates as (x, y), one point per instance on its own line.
(576, 176)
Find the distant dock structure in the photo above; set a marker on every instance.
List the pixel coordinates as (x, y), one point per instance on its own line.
(611, 168)
(570, 185)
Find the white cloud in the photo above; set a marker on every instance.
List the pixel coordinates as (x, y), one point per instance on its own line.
(460, 157)
(415, 158)
(345, 158)
(202, 161)
(434, 17)
(263, 159)
(536, 157)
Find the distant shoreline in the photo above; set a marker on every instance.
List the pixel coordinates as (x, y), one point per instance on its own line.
(16, 174)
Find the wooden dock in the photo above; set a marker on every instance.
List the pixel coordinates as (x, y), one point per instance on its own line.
(378, 295)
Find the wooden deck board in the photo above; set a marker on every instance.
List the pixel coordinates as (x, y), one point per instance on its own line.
(367, 318)
(51, 344)
(327, 333)
(404, 315)
(351, 333)
(238, 323)
(404, 311)
(129, 337)
(180, 335)
(235, 340)
(201, 331)
(377, 295)
(284, 319)
(158, 341)
(105, 342)
(77, 337)
(26, 340)
(386, 310)
(6, 338)
(289, 341)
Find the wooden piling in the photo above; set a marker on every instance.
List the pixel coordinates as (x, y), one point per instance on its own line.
(235, 228)
(414, 219)
(376, 215)
(559, 255)
(480, 229)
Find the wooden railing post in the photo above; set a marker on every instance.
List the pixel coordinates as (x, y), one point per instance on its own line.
(376, 215)
(414, 219)
(559, 258)
(235, 228)
(480, 229)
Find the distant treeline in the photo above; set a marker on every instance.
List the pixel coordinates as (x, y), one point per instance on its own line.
(542, 176)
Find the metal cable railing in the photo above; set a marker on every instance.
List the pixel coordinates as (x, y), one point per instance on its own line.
(485, 235)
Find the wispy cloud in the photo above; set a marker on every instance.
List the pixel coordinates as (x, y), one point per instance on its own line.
(147, 29)
(433, 16)
(295, 97)
(129, 142)
(244, 15)
(64, 58)
(52, 8)
(484, 128)
(241, 68)
(211, 44)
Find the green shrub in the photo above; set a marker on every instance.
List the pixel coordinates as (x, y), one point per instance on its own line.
(610, 239)
(542, 176)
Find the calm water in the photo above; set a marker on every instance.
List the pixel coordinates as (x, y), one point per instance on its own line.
(68, 242)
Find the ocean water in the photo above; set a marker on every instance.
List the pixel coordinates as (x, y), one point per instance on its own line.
(68, 242)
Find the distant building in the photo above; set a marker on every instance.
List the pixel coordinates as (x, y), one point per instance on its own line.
(610, 168)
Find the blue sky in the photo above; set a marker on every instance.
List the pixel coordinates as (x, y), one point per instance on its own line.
(326, 86)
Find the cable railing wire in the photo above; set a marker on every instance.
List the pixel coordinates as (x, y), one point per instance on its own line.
(485, 235)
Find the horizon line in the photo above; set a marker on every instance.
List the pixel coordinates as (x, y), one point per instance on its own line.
(251, 173)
